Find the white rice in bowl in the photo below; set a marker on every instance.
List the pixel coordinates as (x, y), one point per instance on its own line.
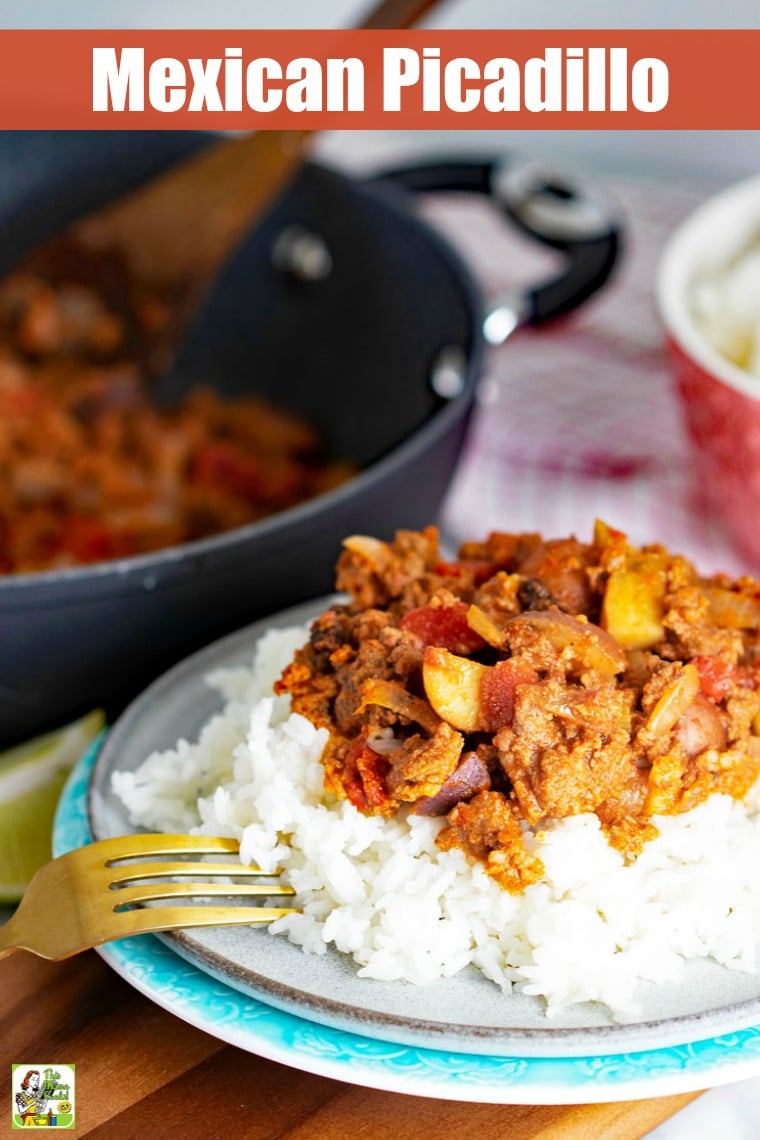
(381, 891)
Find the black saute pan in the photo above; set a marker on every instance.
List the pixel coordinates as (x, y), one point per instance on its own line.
(344, 306)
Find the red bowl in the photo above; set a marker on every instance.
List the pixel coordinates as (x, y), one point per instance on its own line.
(720, 402)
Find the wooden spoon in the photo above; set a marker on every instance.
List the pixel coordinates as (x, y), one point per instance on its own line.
(176, 231)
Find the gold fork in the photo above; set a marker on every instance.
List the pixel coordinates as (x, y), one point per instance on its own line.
(94, 894)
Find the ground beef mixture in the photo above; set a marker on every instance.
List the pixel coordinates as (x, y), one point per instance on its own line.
(530, 680)
(91, 467)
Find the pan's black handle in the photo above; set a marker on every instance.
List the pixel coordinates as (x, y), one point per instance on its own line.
(553, 208)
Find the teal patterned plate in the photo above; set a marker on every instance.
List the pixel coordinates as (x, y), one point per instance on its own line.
(248, 1023)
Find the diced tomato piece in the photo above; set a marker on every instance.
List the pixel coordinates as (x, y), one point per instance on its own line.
(476, 570)
(498, 689)
(22, 400)
(363, 777)
(222, 465)
(443, 626)
(88, 540)
(716, 678)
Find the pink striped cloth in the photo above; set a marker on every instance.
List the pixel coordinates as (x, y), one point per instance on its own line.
(578, 421)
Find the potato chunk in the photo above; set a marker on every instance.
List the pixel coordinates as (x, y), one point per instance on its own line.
(633, 607)
(452, 685)
(470, 696)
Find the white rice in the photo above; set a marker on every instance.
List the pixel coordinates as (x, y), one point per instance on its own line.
(725, 304)
(380, 890)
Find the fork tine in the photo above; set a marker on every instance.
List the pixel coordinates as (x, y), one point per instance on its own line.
(144, 845)
(150, 920)
(94, 904)
(129, 896)
(132, 872)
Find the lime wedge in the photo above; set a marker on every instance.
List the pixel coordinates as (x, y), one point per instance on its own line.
(31, 778)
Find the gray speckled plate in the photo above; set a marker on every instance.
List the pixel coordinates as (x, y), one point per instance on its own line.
(465, 1013)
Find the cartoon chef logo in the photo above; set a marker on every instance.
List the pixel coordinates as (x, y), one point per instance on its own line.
(43, 1096)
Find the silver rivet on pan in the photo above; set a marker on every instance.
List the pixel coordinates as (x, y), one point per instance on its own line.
(301, 253)
(507, 313)
(449, 371)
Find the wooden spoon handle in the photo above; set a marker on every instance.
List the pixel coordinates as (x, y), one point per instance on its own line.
(396, 14)
(179, 228)
(176, 231)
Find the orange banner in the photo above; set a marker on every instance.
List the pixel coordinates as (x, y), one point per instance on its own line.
(371, 80)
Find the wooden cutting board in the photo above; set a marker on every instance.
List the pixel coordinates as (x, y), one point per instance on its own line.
(141, 1072)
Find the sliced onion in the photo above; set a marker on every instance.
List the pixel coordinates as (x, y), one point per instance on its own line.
(470, 776)
(701, 727)
(730, 610)
(479, 621)
(589, 646)
(674, 701)
(392, 695)
(377, 553)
